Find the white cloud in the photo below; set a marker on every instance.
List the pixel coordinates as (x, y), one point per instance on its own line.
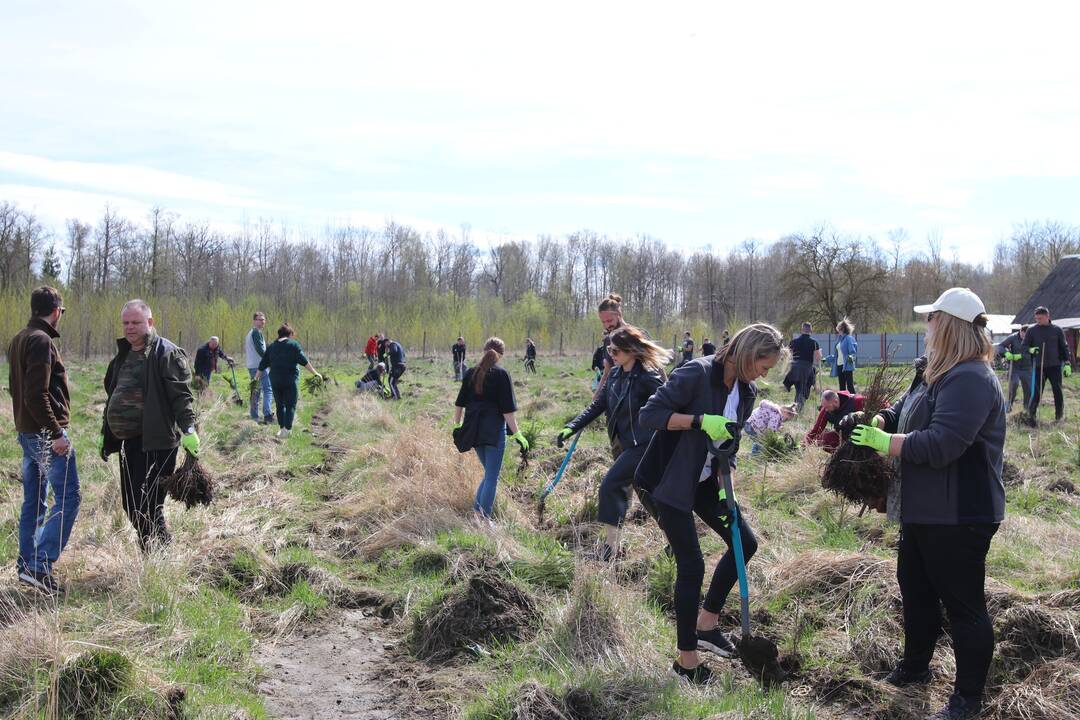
(127, 180)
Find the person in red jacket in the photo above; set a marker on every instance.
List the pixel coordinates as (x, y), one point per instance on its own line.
(371, 349)
(834, 406)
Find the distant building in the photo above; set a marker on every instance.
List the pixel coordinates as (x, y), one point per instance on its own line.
(1059, 292)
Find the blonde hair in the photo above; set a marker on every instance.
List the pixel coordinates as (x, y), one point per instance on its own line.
(954, 341)
(754, 342)
(632, 340)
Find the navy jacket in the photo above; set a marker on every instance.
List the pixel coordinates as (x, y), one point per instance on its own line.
(672, 463)
(1015, 345)
(621, 398)
(950, 465)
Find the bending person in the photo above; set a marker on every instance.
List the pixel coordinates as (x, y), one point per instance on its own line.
(638, 372)
(698, 406)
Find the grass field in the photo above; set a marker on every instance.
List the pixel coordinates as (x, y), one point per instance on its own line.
(361, 516)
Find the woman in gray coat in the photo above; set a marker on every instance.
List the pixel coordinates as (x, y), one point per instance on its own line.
(947, 435)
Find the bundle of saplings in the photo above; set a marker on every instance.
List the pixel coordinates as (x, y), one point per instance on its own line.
(856, 472)
(190, 484)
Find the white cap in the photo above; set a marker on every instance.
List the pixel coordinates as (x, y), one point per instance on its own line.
(958, 302)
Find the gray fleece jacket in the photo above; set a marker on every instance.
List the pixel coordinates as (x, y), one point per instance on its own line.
(950, 464)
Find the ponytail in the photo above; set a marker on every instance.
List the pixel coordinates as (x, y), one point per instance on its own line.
(494, 349)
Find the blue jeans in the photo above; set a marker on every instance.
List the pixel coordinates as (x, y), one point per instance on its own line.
(491, 457)
(264, 390)
(44, 531)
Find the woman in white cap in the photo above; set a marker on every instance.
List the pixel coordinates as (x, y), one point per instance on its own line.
(947, 435)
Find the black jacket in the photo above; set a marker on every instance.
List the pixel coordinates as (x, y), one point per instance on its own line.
(1050, 339)
(622, 397)
(204, 358)
(598, 358)
(168, 406)
(1015, 345)
(673, 461)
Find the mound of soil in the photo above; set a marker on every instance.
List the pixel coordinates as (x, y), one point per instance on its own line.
(1062, 485)
(1011, 475)
(486, 607)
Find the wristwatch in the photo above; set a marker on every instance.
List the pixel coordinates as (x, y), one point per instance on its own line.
(190, 430)
(696, 422)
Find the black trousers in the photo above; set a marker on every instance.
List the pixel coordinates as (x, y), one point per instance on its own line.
(1053, 374)
(616, 486)
(682, 535)
(946, 565)
(395, 374)
(847, 380)
(141, 490)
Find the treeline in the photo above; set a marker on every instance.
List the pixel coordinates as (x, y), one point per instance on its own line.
(341, 283)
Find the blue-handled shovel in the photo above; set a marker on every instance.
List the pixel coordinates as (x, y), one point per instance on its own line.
(555, 480)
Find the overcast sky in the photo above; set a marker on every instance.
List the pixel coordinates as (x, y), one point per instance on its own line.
(698, 123)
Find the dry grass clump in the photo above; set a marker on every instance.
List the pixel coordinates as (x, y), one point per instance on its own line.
(825, 573)
(484, 608)
(89, 681)
(426, 487)
(591, 628)
(1050, 692)
(536, 702)
(1034, 632)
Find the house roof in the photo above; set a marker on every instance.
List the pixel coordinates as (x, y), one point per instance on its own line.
(1059, 292)
(999, 324)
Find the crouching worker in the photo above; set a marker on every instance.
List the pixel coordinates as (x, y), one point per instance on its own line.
(148, 414)
(697, 406)
(375, 381)
(947, 437)
(835, 406)
(638, 372)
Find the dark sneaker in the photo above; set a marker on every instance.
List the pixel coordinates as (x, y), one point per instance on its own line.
(959, 708)
(41, 581)
(900, 677)
(715, 642)
(698, 676)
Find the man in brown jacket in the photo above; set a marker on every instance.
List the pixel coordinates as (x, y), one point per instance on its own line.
(37, 381)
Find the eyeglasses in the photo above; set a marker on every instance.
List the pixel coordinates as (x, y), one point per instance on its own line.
(612, 350)
(63, 309)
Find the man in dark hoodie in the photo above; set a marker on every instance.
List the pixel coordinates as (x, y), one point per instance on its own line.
(1045, 343)
(37, 381)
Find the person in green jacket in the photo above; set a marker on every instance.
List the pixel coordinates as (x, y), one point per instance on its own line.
(283, 358)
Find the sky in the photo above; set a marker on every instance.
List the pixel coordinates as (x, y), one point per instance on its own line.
(702, 124)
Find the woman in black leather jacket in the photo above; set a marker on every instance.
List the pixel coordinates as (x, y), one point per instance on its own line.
(637, 373)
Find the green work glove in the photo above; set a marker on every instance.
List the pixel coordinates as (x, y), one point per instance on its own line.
(458, 424)
(520, 440)
(563, 435)
(1067, 370)
(101, 447)
(190, 442)
(1033, 351)
(715, 426)
(871, 437)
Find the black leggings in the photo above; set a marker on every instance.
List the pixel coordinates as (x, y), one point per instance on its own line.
(946, 565)
(690, 564)
(615, 487)
(142, 491)
(847, 380)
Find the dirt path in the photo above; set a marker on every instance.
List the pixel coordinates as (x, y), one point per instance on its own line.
(341, 669)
